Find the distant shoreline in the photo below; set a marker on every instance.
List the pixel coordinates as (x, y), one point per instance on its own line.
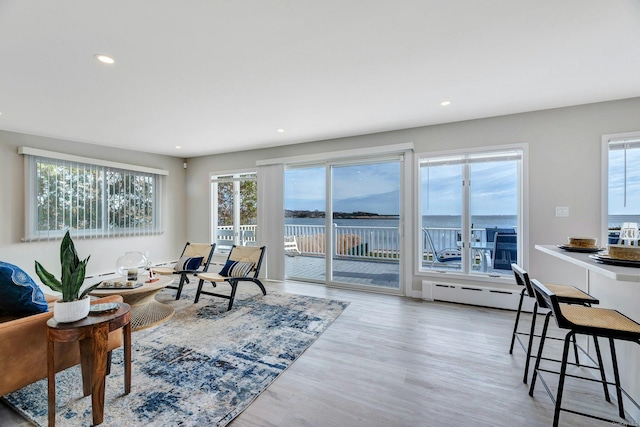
(337, 215)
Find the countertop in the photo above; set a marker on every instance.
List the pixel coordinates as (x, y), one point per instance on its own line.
(627, 274)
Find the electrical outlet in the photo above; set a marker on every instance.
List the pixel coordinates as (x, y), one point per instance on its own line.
(562, 211)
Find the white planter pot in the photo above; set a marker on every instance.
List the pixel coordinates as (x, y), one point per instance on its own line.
(65, 312)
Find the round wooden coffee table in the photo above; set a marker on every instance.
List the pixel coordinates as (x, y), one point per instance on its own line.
(146, 311)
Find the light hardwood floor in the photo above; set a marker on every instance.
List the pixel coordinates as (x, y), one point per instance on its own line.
(393, 361)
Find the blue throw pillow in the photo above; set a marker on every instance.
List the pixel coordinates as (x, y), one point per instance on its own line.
(227, 267)
(236, 269)
(189, 264)
(19, 294)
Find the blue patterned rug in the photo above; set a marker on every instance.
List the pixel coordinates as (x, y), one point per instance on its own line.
(203, 367)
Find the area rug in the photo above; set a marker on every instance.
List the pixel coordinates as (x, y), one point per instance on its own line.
(203, 367)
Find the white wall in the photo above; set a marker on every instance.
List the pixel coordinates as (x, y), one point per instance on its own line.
(564, 164)
(104, 252)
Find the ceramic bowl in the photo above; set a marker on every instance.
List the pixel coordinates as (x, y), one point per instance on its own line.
(625, 252)
(583, 242)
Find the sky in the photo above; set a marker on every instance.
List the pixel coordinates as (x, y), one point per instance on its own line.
(375, 188)
(616, 182)
(365, 187)
(493, 189)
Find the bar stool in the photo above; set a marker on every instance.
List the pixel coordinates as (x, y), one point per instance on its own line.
(597, 322)
(566, 294)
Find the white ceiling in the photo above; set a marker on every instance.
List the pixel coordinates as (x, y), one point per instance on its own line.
(215, 76)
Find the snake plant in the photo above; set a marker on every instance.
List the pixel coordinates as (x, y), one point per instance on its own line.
(73, 272)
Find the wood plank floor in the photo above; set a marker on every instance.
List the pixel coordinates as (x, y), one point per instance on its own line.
(393, 361)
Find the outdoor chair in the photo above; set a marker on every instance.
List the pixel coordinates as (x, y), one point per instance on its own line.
(444, 256)
(291, 246)
(593, 321)
(629, 234)
(224, 240)
(566, 294)
(243, 265)
(248, 238)
(505, 251)
(491, 236)
(195, 258)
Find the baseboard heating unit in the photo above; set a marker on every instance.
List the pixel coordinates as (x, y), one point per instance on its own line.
(474, 295)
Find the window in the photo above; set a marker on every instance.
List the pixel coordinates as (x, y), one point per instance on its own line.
(622, 195)
(90, 197)
(235, 214)
(470, 212)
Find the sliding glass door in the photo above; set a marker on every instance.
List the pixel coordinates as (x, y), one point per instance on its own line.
(365, 202)
(305, 223)
(344, 218)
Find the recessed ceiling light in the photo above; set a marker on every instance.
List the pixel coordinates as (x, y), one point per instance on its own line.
(178, 146)
(280, 130)
(445, 103)
(105, 59)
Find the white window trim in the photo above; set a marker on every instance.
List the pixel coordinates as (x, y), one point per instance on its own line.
(31, 232)
(273, 207)
(361, 153)
(97, 162)
(215, 177)
(604, 178)
(523, 211)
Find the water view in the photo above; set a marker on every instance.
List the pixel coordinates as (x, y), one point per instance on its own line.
(444, 221)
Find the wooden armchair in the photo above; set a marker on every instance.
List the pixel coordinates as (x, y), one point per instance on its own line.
(189, 263)
(243, 265)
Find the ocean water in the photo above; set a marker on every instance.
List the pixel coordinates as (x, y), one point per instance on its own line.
(446, 221)
(431, 221)
(617, 220)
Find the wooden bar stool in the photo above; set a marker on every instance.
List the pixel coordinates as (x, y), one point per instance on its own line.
(593, 321)
(566, 294)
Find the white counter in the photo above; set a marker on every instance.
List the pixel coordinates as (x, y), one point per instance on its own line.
(626, 274)
(617, 288)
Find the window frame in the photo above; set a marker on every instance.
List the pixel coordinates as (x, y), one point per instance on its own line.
(235, 177)
(522, 210)
(604, 175)
(33, 157)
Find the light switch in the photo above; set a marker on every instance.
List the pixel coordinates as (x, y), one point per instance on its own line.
(562, 211)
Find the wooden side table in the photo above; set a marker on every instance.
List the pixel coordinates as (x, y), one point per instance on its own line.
(92, 334)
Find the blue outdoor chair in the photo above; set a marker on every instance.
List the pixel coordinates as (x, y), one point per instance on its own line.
(505, 251)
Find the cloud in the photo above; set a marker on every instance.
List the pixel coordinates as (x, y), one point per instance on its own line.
(376, 188)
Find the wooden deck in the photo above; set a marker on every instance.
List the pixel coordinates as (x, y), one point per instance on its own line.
(383, 274)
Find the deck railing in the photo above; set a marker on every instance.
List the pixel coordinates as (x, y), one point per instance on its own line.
(379, 243)
(247, 234)
(349, 241)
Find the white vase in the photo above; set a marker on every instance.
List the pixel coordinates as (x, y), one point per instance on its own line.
(66, 312)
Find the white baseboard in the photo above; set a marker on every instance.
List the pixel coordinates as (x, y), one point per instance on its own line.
(474, 295)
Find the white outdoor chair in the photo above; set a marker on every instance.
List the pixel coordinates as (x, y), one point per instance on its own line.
(224, 240)
(444, 256)
(629, 234)
(291, 246)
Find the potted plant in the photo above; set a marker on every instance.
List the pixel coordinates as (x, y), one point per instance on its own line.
(74, 304)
